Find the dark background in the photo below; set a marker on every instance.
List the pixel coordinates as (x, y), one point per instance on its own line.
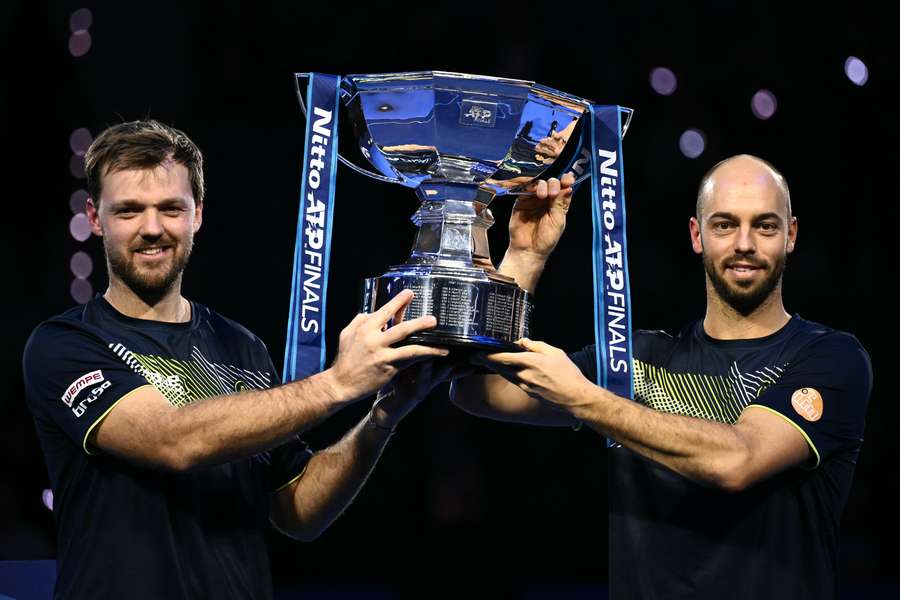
(454, 498)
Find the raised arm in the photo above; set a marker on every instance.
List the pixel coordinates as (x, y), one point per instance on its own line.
(535, 226)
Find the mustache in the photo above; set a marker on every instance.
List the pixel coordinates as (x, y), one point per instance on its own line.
(759, 264)
(160, 243)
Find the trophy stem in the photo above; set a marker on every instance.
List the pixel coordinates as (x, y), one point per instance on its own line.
(451, 273)
(453, 233)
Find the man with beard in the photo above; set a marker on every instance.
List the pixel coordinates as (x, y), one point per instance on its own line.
(169, 443)
(732, 465)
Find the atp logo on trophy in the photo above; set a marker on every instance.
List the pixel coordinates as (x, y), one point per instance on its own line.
(473, 112)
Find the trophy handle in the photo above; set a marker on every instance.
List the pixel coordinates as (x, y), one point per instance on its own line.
(627, 113)
(344, 94)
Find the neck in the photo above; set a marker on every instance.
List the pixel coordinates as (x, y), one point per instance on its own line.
(169, 307)
(722, 322)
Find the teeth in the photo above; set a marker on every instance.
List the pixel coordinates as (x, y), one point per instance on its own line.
(151, 251)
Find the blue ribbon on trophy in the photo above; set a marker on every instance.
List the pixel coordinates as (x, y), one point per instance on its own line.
(305, 349)
(612, 292)
(459, 140)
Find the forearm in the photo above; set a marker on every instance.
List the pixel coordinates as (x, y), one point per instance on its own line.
(332, 480)
(704, 451)
(229, 427)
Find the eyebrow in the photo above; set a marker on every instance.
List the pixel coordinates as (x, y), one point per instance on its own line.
(132, 202)
(756, 218)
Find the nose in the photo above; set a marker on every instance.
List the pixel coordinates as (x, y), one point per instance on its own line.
(744, 242)
(151, 225)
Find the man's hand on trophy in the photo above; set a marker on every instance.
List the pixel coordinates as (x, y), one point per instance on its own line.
(541, 371)
(538, 220)
(366, 359)
(411, 386)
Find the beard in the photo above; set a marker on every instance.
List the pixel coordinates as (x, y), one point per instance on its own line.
(745, 296)
(149, 283)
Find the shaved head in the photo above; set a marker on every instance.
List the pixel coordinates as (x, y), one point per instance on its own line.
(742, 170)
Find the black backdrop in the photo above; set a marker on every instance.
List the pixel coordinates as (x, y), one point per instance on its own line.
(455, 498)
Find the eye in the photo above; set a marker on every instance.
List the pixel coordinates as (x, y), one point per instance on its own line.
(722, 226)
(768, 227)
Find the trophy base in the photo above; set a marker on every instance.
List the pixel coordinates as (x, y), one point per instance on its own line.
(461, 345)
(474, 311)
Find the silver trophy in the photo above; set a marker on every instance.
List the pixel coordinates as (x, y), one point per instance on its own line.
(459, 140)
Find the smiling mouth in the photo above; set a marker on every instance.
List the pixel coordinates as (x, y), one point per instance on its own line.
(743, 272)
(155, 251)
(740, 265)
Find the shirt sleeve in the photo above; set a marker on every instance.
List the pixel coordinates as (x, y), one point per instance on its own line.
(287, 463)
(586, 361)
(824, 393)
(73, 379)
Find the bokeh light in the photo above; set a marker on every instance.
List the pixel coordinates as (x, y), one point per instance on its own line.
(663, 81)
(81, 20)
(80, 227)
(764, 104)
(692, 143)
(81, 290)
(81, 265)
(856, 70)
(80, 141)
(78, 201)
(79, 43)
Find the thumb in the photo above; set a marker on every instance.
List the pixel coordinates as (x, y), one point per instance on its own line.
(534, 346)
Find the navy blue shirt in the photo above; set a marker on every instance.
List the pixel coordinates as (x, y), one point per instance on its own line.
(672, 538)
(130, 531)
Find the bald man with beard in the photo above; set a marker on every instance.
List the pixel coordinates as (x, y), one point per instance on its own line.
(732, 464)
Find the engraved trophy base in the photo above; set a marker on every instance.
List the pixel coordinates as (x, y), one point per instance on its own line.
(453, 279)
(475, 310)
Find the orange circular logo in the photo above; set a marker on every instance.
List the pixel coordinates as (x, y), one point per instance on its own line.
(808, 403)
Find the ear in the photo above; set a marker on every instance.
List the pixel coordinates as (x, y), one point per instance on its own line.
(696, 239)
(792, 234)
(93, 215)
(198, 216)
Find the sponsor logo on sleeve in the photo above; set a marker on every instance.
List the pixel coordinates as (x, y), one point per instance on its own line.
(86, 380)
(808, 403)
(95, 393)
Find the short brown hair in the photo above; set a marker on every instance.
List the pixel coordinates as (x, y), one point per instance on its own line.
(141, 145)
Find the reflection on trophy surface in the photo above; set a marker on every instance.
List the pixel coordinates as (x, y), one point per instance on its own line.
(459, 140)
